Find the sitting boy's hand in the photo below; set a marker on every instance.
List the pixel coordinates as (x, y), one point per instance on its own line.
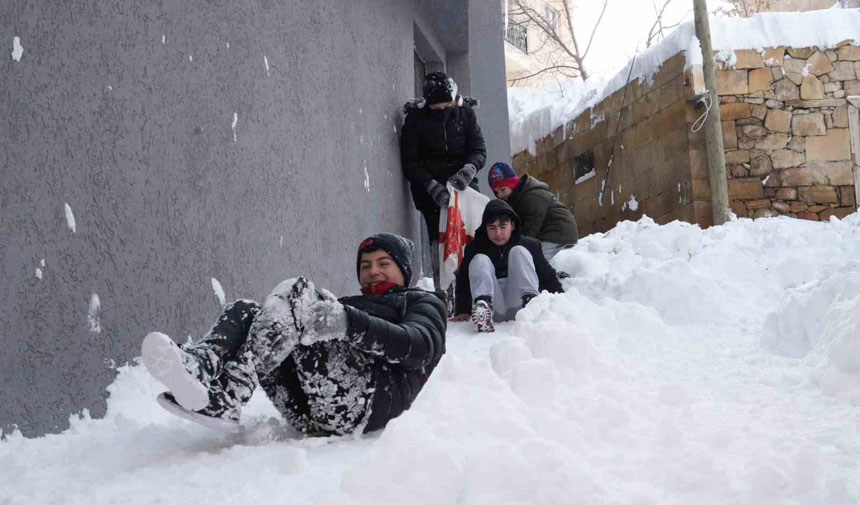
(460, 318)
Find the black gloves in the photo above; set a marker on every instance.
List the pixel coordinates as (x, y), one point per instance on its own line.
(438, 193)
(463, 177)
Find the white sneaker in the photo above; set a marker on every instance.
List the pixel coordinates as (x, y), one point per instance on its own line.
(176, 369)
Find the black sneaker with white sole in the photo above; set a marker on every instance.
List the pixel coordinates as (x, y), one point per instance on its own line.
(527, 298)
(226, 421)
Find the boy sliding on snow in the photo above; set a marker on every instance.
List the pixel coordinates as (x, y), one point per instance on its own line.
(330, 366)
(501, 270)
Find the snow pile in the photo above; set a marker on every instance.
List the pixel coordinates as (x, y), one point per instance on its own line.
(536, 113)
(681, 366)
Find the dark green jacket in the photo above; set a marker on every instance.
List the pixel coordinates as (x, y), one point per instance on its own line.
(542, 215)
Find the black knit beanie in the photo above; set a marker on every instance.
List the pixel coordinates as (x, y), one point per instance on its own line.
(399, 248)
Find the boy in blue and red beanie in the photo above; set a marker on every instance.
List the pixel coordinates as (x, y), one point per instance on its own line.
(543, 216)
(330, 365)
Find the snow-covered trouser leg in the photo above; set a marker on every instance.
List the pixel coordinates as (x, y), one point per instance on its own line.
(223, 341)
(323, 389)
(273, 335)
(188, 370)
(522, 279)
(483, 283)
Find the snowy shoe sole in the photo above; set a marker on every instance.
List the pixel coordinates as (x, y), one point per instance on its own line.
(163, 359)
(168, 403)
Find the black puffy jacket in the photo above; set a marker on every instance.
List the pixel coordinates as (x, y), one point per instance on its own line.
(547, 276)
(404, 330)
(436, 143)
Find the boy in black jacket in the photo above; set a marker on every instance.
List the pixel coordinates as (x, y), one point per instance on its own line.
(330, 366)
(501, 270)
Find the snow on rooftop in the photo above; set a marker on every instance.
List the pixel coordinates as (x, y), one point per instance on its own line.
(536, 113)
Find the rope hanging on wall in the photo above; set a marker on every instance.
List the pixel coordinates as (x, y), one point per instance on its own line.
(699, 123)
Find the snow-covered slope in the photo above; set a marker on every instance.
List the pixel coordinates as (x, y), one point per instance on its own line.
(534, 113)
(681, 366)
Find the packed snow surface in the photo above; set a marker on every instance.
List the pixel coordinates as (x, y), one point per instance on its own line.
(535, 113)
(681, 366)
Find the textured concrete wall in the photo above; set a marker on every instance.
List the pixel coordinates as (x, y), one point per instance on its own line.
(243, 141)
(487, 64)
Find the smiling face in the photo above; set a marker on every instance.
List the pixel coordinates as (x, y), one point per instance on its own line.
(378, 266)
(499, 231)
(503, 192)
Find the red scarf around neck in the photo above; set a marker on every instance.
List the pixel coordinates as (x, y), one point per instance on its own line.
(378, 289)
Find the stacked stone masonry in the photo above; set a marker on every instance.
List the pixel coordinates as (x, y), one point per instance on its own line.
(790, 130)
(788, 120)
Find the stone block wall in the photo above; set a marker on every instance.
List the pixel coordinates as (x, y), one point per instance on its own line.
(791, 132)
(788, 119)
(651, 161)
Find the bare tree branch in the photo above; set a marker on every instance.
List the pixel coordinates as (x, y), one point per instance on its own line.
(547, 69)
(599, 19)
(745, 8)
(656, 31)
(559, 47)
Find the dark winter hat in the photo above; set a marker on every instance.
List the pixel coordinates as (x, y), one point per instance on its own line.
(501, 174)
(399, 248)
(439, 87)
(496, 209)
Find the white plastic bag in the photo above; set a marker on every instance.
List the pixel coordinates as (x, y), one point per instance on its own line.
(457, 226)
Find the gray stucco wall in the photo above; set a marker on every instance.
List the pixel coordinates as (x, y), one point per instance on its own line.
(487, 68)
(126, 110)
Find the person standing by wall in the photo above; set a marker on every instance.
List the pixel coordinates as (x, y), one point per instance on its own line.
(441, 143)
